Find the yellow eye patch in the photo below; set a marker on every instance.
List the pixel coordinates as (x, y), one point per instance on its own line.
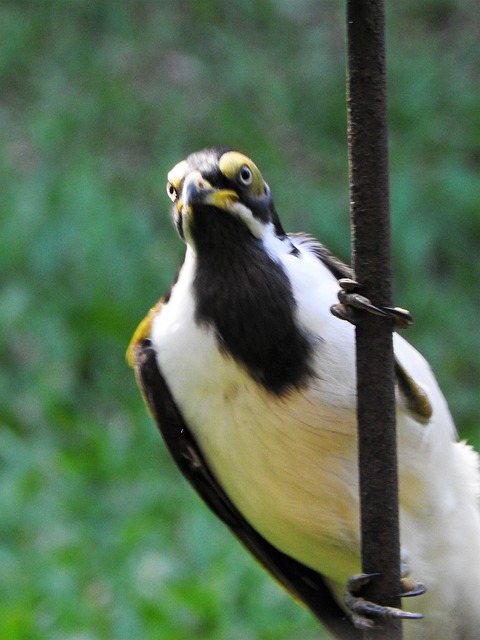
(177, 174)
(238, 168)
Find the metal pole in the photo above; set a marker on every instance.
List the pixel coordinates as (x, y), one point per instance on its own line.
(369, 197)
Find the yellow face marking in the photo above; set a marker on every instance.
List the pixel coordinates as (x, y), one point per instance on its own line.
(220, 198)
(236, 167)
(223, 199)
(177, 174)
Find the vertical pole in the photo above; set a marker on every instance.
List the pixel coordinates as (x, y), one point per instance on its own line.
(369, 198)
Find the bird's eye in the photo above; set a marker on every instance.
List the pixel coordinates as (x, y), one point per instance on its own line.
(172, 192)
(245, 176)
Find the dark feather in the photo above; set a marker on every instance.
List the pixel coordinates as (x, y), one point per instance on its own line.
(303, 583)
(247, 299)
(334, 264)
(415, 398)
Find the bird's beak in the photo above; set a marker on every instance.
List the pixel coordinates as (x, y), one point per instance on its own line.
(196, 190)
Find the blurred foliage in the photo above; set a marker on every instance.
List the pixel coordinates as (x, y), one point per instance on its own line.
(100, 538)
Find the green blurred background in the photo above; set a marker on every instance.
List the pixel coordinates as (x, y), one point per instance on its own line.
(100, 538)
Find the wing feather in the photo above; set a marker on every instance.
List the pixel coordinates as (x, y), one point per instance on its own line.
(303, 583)
(415, 398)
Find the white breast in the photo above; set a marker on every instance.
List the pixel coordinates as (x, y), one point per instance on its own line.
(289, 464)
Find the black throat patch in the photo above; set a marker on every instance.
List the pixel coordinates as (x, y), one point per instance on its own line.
(246, 297)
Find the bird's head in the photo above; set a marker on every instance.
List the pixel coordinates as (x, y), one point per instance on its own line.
(219, 192)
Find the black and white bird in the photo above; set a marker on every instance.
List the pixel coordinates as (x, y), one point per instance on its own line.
(251, 380)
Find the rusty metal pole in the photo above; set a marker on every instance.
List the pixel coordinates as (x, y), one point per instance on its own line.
(369, 197)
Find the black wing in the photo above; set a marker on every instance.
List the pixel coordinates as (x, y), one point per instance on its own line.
(303, 583)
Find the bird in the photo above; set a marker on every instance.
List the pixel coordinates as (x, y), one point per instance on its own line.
(251, 380)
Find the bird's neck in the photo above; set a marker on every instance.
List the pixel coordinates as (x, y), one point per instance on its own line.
(245, 296)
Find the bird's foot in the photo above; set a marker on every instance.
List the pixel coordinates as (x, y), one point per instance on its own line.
(350, 300)
(365, 614)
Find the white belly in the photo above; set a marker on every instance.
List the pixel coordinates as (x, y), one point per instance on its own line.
(289, 464)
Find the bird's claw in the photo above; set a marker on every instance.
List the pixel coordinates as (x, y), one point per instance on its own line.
(410, 588)
(350, 300)
(365, 614)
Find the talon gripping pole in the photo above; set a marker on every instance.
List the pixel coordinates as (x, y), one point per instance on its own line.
(371, 257)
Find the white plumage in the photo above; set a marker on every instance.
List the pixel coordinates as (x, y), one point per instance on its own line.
(276, 450)
(289, 463)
